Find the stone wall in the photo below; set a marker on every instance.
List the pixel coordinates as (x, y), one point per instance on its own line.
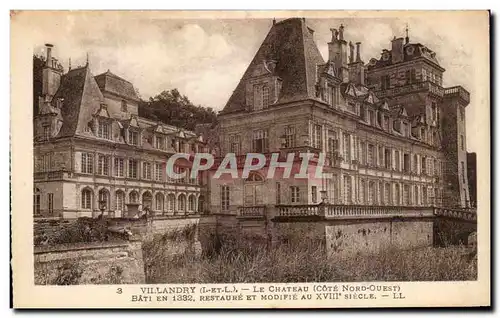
(89, 263)
(374, 236)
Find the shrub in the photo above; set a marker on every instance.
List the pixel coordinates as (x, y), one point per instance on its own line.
(69, 273)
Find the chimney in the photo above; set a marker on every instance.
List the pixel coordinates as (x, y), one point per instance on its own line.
(49, 54)
(358, 51)
(351, 52)
(337, 52)
(397, 50)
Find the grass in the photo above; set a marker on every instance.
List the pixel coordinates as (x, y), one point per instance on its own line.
(252, 260)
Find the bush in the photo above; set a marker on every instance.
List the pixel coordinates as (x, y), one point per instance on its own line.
(69, 273)
(248, 259)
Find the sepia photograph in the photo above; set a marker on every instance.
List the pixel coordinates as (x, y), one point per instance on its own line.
(209, 159)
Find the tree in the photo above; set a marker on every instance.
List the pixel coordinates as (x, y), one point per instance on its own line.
(173, 108)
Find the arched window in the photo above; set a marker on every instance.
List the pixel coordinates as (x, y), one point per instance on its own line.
(191, 203)
(120, 200)
(182, 203)
(147, 200)
(104, 199)
(87, 199)
(171, 202)
(387, 194)
(371, 192)
(397, 194)
(133, 197)
(159, 202)
(36, 201)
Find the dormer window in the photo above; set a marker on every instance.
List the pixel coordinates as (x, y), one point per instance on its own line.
(279, 84)
(133, 137)
(46, 132)
(103, 129)
(124, 106)
(159, 142)
(265, 96)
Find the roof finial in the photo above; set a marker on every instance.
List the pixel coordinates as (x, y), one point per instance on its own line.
(407, 39)
(69, 64)
(274, 21)
(87, 64)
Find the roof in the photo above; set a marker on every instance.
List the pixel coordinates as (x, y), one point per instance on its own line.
(291, 44)
(81, 99)
(411, 51)
(109, 82)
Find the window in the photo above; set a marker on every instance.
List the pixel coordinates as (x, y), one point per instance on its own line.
(50, 202)
(462, 166)
(362, 192)
(171, 202)
(380, 156)
(182, 146)
(224, 198)
(103, 129)
(36, 201)
(371, 192)
(347, 190)
(159, 202)
(362, 153)
(119, 200)
(290, 137)
(119, 167)
(133, 197)
(159, 142)
(124, 106)
(235, 144)
(132, 168)
(295, 194)
(87, 162)
(397, 194)
(369, 117)
(103, 165)
(423, 165)
(386, 82)
(406, 163)
(265, 96)
(260, 141)
(333, 142)
(133, 137)
(46, 132)
(424, 195)
(317, 140)
(406, 195)
(347, 147)
(332, 187)
(397, 160)
(351, 107)
(328, 95)
(462, 142)
(253, 190)
(388, 159)
(87, 199)
(417, 195)
(415, 164)
(387, 193)
(434, 111)
(191, 203)
(45, 162)
(314, 194)
(462, 113)
(257, 97)
(371, 155)
(158, 171)
(146, 170)
(103, 196)
(279, 84)
(436, 167)
(278, 193)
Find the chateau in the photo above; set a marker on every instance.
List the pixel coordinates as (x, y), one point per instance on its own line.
(391, 133)
(94, 154)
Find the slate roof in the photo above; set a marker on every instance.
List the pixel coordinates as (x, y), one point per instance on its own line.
(291, 43)
(109, 82)
(417, 49)
(82, 99)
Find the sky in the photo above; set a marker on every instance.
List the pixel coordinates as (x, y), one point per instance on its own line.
(205, 58)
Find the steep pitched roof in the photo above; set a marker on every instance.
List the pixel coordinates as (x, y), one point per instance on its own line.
(109, 82)
(291, 43)
(81, 99)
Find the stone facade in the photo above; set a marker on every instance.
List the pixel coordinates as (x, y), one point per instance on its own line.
(93, 153)
(391, 134)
